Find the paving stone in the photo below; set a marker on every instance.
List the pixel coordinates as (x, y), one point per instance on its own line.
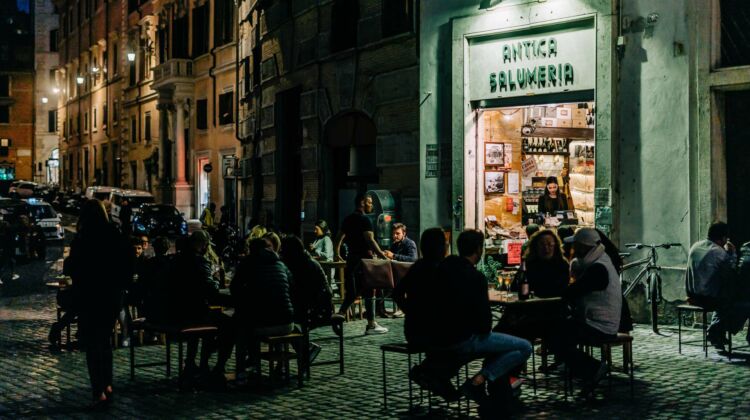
(38, 383)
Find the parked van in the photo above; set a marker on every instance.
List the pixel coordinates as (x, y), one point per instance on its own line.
(100, 192)
(134, 197)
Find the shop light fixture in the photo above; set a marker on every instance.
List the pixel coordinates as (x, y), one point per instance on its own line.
(79, 80)
(44, 100)
(131, 56)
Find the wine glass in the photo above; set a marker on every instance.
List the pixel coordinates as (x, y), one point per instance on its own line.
(507, 280)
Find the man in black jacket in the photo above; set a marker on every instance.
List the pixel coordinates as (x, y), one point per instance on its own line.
(465, 332)
(195, 287)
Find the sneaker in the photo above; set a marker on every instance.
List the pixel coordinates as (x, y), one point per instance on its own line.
(15, 277)
(588, 390)
(476, 393)
(442, 388)
(398, 314)
(375, 329)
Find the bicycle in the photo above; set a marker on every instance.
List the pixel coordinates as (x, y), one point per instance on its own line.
(648, 276)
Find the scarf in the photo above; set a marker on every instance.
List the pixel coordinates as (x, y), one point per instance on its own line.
(578, 266)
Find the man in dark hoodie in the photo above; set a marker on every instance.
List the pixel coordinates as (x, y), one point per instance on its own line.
(261, 291)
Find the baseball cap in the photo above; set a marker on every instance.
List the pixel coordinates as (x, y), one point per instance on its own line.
(584, 236)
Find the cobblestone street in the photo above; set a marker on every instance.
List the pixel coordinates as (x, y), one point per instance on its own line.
(38, 383)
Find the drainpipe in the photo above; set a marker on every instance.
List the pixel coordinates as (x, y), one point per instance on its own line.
(213, 77)
(237, 115)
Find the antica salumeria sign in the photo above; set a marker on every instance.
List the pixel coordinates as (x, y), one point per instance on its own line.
(556, 61)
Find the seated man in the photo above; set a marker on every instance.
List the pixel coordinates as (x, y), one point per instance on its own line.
(402, 249)
(464, 332)
(193, 288)
(261, 291)
(596, 298)
(711, 281)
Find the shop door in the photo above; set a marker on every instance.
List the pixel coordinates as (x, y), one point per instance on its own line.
(737, 134)
(204, 191)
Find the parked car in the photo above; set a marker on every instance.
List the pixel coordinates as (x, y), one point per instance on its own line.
(100, 192)
(135, 197)
(22, 189)
(159, 220)
(12, 208)
(44, 216)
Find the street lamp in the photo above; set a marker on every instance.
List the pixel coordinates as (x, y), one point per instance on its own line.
(95, 69)
(131, 56)
(79, 80)
(44, 100)
(55, 90)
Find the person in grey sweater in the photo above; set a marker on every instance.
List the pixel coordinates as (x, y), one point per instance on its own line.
(596, 299)
(711, 281)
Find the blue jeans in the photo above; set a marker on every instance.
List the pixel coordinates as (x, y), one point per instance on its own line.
(502, 353)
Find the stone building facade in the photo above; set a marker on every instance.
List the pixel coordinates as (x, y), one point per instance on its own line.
(141, 86)
(16, 91)
(328, 107)
(46, 36)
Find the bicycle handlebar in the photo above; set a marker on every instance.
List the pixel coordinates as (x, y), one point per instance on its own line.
(665, 245)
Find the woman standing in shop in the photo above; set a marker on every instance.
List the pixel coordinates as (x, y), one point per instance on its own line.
(101, 265)
(553, 199)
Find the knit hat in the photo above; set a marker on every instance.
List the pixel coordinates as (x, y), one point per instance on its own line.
(584, 236)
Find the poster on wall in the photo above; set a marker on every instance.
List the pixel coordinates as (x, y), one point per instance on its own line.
(513, 186)
(508, 155)
(494, 154)
(494, 182)
(529, 167)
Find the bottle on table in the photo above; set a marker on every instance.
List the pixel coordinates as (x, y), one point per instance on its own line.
(523, 283)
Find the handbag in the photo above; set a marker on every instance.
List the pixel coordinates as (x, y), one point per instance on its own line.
(376, 274)
(399, 269)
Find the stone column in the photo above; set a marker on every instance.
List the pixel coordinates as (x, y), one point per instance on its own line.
(165, 152)
(180, 141)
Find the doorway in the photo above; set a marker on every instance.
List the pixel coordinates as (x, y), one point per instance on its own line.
(737, 106)
(349, 162)
(288, 161)
(204, 191)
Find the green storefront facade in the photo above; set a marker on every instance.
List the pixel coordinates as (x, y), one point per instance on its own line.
(659, 174)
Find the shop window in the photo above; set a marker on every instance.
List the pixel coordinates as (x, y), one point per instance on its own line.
(4, 85)
(226, 115)
(53, 38)
(344, 22)
(201, 110)
(735, 45)
(397, 17)
(223, 22)
(4, 114)
(147, 127)
(200, 30)
(51, 121)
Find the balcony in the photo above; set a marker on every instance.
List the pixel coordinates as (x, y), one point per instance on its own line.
(176, 70)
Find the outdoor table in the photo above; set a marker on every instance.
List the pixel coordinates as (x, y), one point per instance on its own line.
(498, 298)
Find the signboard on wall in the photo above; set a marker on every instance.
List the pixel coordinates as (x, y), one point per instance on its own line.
(548, 59)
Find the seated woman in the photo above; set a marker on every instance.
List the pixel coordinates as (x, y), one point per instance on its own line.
(546, 268)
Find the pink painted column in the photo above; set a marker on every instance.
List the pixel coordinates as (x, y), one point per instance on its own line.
(180, 142)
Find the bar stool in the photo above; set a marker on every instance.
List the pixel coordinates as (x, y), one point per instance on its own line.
(687, 307)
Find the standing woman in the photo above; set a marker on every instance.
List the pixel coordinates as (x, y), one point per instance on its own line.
(322, 247)
(553, 199)
(101, 265)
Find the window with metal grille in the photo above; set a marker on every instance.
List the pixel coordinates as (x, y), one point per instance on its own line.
(735, 38)
(223, 22)
(147, 127)
(53, 37)
(397, 17)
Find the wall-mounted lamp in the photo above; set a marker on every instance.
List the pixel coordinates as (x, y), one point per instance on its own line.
(44, 100)
(94, 69)
(79, 80)
(131, 56)
(55, 90)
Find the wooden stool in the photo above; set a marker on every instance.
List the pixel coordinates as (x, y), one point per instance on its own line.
(338, 329)
(704, 327)
(278, 352)
(605, 347)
